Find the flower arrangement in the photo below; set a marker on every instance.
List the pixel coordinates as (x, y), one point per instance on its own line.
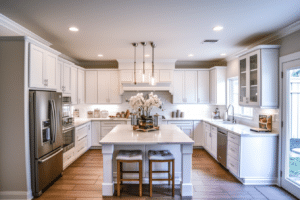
(138, 101)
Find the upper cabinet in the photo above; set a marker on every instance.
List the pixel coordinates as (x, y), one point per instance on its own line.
(102, 87)
(258, 77)
(74, 85)
(66, 78)
(185, 87)
(217, 86)
(203, 87)
(80, 85)
(42, 68)
(160, 76)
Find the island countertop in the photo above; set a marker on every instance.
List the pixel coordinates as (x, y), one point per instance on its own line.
(168, 134)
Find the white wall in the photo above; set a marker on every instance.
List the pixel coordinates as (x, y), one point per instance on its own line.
(14, 146)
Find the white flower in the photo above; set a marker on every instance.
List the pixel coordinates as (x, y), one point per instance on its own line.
(138, 101)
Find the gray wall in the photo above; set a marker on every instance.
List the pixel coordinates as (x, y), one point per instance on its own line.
(290, 44)
(12, 121)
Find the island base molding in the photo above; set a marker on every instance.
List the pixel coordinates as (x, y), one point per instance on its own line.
(108, 189)
(258, 181)
(26, 195)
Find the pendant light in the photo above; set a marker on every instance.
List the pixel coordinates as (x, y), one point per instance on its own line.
(152, 80)
(135, 45)
(143, 75)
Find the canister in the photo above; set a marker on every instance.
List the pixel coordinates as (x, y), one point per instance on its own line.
(155, 122)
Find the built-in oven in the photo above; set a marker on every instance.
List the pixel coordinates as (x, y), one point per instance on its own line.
(66, 106)
(222, 146)
(69, 137)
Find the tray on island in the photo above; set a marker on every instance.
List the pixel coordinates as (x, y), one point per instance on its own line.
(137, 128)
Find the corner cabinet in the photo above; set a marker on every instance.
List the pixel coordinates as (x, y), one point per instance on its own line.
(258, 77)
(217, 86)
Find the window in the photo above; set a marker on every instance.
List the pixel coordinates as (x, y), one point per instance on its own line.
(233, 98)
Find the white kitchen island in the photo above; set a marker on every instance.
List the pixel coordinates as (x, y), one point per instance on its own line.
(169, 137)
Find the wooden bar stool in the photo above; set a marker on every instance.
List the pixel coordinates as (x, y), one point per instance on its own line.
(129, 156)
(162, 156)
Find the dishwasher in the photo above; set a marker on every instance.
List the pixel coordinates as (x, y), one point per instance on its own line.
(222, 146)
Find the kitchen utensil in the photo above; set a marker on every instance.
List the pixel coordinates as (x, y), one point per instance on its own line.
(173, 114)
(118, 115)
(177, 113)
(182, 114)
(127, 114)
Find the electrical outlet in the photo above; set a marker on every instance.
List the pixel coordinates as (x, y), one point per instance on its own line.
(275, 117)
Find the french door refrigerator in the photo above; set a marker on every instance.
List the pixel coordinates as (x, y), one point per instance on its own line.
(46, 139)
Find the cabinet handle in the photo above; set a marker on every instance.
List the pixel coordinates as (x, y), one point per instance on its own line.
(232, 165)
(81, 148)
(69, 157)
(232, 149)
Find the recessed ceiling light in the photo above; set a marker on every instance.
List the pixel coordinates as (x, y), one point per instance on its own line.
(147, 55)
(218, 28)
(100, 55)
(190, 55)
(74, 29)
(223, 54)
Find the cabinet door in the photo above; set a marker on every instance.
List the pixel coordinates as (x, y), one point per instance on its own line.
(80, 87)
(198, 134)
(50, 70)
(95, 133)
(105, 130)
(190, 86)
(114, 88)
(208, 140)
(148, 75)
(188, 130)
(36, 63)
(214, 144)
(203, 87)
(74, 85)
(178, 94)
(59, 76)
(213, 86)
(165, 75)
(254, 83)
(126, 76)
(67, 78)
(103, 86)
(243, 81)
(91, 85)
(89, 134)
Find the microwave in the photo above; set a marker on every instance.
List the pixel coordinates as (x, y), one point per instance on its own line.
(66, 100)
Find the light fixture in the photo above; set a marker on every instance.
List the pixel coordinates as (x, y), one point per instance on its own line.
(152, 80)
(100, 55)
(143, 75)
(74, 29)
(147, 55)
(218, 28)
(135, 45)
(190, 55)
(223, 54)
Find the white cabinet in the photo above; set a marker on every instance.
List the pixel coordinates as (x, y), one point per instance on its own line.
(108, 87)
(91, 87)
(203, 87)
(214, 143)
(95, 137)
(80, 85)
(107, 126)
(126, 76)
(42, 68)
(89, 134)
(59, 74)
(185, 87)
(198, 134)
(66, 78)
(68, 158)
(186, 126)
(74, 85)
(217, 79)
(165, 75)
(258, 77)
(81, 139)
(207, 137)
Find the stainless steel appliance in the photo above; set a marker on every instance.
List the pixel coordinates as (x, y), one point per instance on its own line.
(46, 140)
(222, 146)
(67, 123)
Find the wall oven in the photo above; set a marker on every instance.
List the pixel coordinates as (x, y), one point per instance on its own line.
(69, 137)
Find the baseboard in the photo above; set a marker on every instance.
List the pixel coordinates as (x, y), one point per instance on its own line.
(20, 195)
(96, 147)
(258, 181)
(198, 147)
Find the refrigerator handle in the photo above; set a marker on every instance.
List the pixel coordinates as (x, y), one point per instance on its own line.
(52, 121)
(54, 110)
(51, 156)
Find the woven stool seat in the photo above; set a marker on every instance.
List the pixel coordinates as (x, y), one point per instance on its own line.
(160, 155)
(129, 155)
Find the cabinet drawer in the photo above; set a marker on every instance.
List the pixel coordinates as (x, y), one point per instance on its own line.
(81, 146)
(233, 165)
(81, 132)
(207, 126)
(234, 138)
(112, 123)
(214, 130)
(181, 123)
(233, 150)
(69, 155)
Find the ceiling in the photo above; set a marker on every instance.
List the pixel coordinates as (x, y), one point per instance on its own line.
(178, 27)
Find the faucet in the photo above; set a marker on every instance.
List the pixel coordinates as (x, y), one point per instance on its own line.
(232, 112)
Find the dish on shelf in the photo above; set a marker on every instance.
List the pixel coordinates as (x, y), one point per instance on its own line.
(112, 117)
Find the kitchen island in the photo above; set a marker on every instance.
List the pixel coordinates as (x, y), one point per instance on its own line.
(169, 137)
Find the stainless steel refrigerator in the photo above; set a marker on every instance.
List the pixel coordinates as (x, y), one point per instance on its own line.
(46, 139)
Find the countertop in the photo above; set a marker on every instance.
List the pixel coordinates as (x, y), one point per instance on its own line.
(168, 134)
(81, 121)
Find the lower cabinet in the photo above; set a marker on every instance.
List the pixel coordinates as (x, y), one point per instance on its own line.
(95, 136)
(198, 134)
(107, 126)
(68, 158)
(186, 126)
(211, 134)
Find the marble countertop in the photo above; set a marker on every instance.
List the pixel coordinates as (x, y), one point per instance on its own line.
(240, 129)
(168, 134)
(81, 121)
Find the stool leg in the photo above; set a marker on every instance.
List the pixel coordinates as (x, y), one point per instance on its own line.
(173, 178)
(150, 178)
(169, 172)
(118, 178)
(121, 172)
(141, 177)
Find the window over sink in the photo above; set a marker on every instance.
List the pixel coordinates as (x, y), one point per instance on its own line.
(233, 98)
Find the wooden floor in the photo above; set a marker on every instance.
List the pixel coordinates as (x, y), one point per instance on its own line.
(83, 181)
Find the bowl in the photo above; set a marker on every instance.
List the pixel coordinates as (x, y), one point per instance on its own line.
(112, 117)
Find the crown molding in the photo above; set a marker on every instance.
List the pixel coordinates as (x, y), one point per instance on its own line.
(147, 60)
(22, 31)
(267, 40)
(68, 58)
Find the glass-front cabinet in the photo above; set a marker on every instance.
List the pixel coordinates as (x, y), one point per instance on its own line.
(258, 77)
